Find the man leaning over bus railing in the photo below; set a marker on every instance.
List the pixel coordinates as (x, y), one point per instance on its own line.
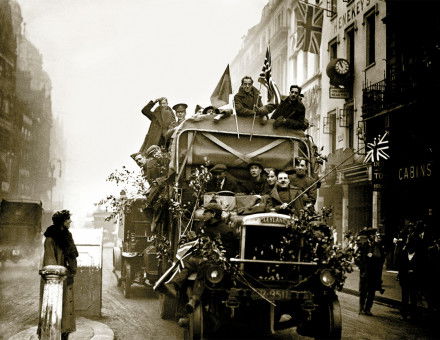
(290, 113)
(282, 194)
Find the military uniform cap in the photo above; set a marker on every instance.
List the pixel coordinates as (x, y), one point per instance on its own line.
(219, 167)
(175, 107)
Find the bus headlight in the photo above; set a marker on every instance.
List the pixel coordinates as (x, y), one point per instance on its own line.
(214, 274)
(327, 278)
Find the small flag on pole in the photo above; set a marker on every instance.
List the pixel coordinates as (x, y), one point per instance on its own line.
(220, 96)
(309, 27)
(265, 79)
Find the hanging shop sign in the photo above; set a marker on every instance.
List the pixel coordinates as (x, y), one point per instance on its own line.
(338, 93)
(377, 176)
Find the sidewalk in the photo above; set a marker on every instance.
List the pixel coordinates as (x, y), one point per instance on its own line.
(85, 329)
(391, 296)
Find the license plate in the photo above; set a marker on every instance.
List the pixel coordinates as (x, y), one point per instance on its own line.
(272, 294)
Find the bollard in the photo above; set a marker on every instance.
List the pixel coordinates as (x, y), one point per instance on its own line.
(52, 302)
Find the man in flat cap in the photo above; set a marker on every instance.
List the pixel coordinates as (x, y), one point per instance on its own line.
(221, 180)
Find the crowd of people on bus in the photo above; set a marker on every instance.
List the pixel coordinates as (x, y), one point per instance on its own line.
(289, 113)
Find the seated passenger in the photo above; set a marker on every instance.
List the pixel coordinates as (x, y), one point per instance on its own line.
(290, 113)
(221, 180)
(271, 180)
(248, 99)
(282, 194)
(211, 110)
(255, 184)
(198, 110)
(180, 110)
(300, 180)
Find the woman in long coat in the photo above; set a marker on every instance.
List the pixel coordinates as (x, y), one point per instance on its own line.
(59, 249)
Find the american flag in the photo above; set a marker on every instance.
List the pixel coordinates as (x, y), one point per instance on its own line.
(265, 79)
(309, 27)
(377, 149)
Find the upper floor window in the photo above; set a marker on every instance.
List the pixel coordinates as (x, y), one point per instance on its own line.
(349, 40)
(332, 8)
(333, 49)
(370, 21)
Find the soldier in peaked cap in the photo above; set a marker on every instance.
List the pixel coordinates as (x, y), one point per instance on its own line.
(180, 110)
(221, 180)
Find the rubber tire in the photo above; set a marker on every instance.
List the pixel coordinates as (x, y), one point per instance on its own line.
(127, 280)
(116, 258)
(331, 320)
(167, 307)
(196, 327)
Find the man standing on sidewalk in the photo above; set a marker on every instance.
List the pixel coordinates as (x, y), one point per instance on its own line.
(369, 258)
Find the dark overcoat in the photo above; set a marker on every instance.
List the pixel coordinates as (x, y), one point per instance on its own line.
(162, 119)
(245, 102)
(276, 201)
(230, 184)
(53, 255)
(293, 111)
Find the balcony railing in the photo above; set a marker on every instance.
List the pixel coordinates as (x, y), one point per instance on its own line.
(389, 93)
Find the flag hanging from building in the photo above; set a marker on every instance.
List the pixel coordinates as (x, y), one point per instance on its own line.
(309, 27)
(377, 149)
(265, 79)
(220, 96)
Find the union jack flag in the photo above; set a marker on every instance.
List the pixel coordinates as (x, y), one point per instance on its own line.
(309, 27)
(265, 79)
(377, 149)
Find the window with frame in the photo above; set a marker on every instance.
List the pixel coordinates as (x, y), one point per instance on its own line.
(294, 69)
(370, 22)
(349, 45)
(346, 120)
(333, 49)
(330, 129)
(332, 9)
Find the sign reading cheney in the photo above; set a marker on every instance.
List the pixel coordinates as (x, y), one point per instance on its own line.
(347, 17)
